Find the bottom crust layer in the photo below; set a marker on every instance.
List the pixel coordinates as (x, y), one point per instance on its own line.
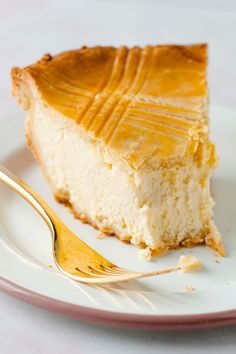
(200, 239)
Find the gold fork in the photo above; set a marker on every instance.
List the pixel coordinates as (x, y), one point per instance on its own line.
(73, 257)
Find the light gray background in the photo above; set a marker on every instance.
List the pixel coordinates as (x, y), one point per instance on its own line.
(30, 28)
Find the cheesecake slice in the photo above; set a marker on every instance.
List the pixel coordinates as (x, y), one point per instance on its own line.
(122, 136)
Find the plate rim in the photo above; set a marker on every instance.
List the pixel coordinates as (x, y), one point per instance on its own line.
(116, 319)
(112, 318)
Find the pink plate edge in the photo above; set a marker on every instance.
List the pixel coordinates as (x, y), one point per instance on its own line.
(114, 319)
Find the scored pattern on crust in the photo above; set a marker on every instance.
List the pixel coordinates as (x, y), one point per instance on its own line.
(100, 99)
(141, 102)
(108, 130)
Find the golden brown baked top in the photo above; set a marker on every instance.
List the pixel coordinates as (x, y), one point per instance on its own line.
(141, 102)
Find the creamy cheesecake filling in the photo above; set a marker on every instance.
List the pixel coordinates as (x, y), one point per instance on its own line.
(160, 207)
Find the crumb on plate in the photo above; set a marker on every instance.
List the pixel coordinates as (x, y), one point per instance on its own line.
(100, 236)
(189, 288)
(145, 254)
(189, 263)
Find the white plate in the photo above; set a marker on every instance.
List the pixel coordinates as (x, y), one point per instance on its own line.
(27, 269)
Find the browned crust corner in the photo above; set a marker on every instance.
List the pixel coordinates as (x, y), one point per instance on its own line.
(16, 76)
(20, 87)
(215, 245)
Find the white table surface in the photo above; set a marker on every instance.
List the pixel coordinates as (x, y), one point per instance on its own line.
(30, 28)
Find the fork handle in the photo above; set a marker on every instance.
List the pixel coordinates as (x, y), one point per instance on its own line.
(30, 196)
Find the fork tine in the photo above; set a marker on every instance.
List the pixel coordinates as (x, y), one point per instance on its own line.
(83, 273)
(121, 270)
(113, 270)
(95, 272)
(95, 275)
